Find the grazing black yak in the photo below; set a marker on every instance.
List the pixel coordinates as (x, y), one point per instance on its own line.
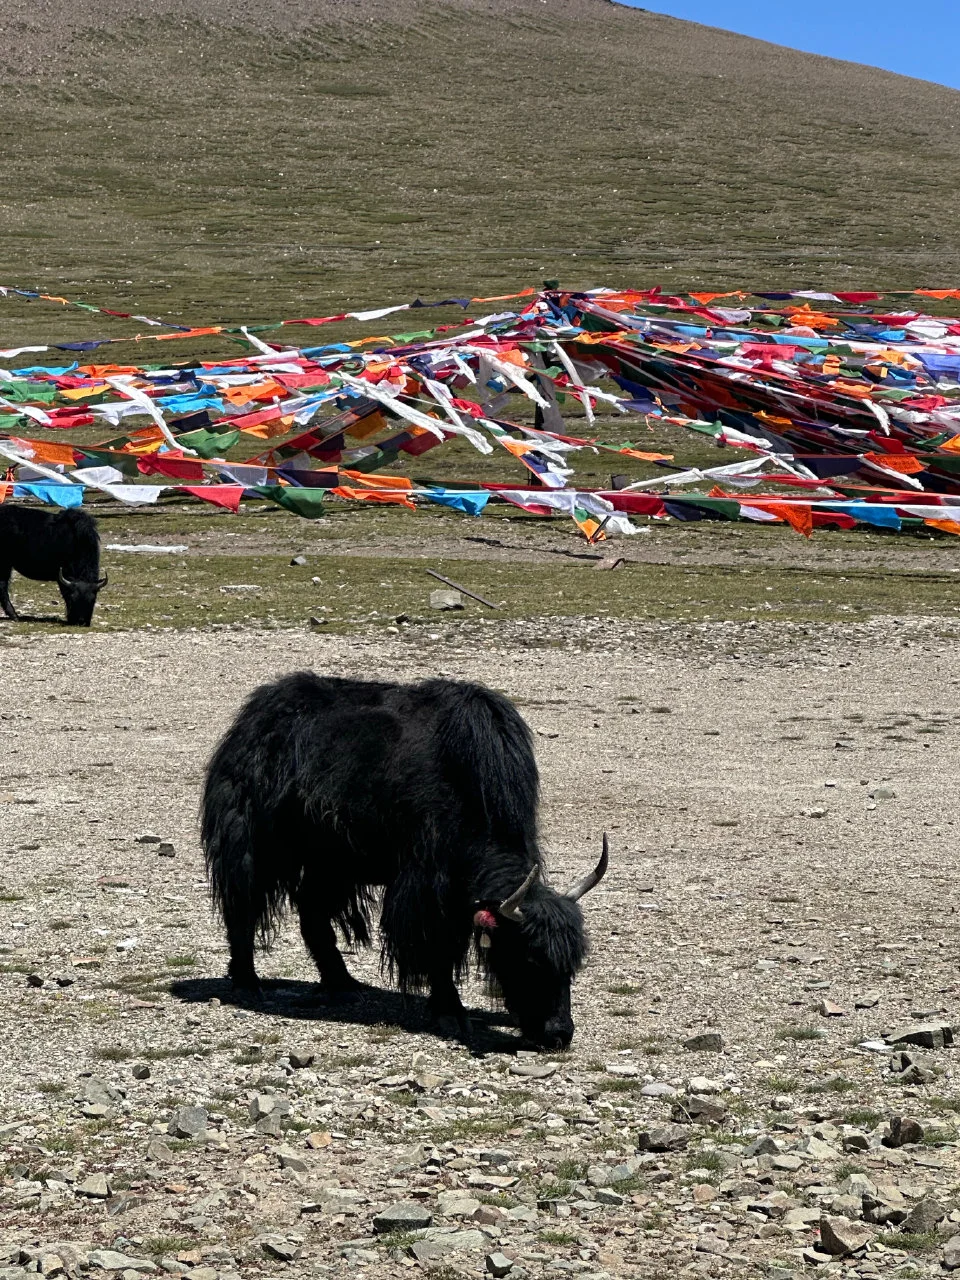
(52, 546)
(326, 790)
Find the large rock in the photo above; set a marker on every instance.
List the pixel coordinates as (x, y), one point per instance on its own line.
(663, 1137)
(886, 1205)
(110, 1260)
(704, 1042)
(95, 1187)
(402, 1217)
(928, 1035)
(903, 1131)
(188, 1122)
(840, 1236)
(924, 1216)
(951, 1253)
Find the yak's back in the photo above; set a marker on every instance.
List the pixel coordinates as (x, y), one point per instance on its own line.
(431, 743)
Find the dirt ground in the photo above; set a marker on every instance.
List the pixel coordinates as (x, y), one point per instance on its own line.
(781, 803)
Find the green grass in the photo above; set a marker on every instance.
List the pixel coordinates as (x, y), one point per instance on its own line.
(782, 1084)
(399, 1240)
(113, 1053)
(551, 1236)
(863, 1117)
(911, 1242)
(259, 208)
(158, 1247)
(799, 1031)
(181, 962)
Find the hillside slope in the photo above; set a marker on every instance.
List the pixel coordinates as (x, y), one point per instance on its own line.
(241, 159)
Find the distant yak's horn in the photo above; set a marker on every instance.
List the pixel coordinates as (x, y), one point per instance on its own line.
(593, 879)
(63, 580)
(510, 907)
(102, 582)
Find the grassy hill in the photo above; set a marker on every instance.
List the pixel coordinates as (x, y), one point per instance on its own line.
(215, 160)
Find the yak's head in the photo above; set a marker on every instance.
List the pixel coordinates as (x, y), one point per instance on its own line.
(533, 945)
(80, 597)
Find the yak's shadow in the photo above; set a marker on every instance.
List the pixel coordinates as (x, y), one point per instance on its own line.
(366, 1007)
(48, 619)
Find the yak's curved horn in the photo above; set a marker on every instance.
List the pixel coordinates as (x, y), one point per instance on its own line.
(63, 580)
(102, 582)
(510, 907)
(593, 879)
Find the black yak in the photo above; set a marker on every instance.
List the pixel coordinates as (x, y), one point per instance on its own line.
(52, 546)
(327, 792)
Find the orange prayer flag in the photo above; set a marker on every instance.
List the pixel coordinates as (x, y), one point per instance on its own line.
(952, 445)
(379, 482)
(948, 526)
(799, 515)
(81, 393)
(374, 495)
(907, 464)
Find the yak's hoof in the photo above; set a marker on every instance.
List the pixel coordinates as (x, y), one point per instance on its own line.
(453, 1026)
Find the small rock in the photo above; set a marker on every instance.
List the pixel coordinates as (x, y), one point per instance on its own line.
(158, 1150)
(261, 1106)
(292, 1160)
(828, 1009)
(786, 1164)
(147, 837)
(698, 1110)
(457, 1204)
(606, 1195)
(840, 1236)
(856, 1142)
(704, 1042)
(763, 1146)
(816, 1257)
(446, 600)
(34, 980)
(280, 1249)
(817, 811)
(110, 1260)
(188, 1122)
(951, 1253)
(658, 1089)
(869, 1000)
(498, 1264)
(703, 1193)
(166, 850)
(915, 1074)
(127, 944)
(903, 1131)
(624, 1070)
(301, 1059)
(141, 1071)
(402, 1217)
(318, 1140)
(298, 560)
(533, 1070)
(701, 1085)
(882, 793)
(95, 1186)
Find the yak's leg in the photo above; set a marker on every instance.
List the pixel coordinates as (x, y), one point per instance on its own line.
(445, 1003)
(321, 941)
(241, 931)
(5, 602)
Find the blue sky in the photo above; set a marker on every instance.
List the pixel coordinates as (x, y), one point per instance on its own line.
(921, 41)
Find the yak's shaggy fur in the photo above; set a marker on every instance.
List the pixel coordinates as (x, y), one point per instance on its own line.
(52, 546)
(325, 791)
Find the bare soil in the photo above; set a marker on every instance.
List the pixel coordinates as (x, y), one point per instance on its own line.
(752, 876)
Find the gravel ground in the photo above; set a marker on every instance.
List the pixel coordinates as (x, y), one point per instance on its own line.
(781, 804)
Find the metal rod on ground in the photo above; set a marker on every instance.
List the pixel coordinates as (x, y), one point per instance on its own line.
(457, 587)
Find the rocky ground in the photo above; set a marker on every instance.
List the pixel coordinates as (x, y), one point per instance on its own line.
(763, 1078)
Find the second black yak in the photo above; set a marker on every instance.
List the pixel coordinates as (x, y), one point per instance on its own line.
(52, 546)
(327, 793)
